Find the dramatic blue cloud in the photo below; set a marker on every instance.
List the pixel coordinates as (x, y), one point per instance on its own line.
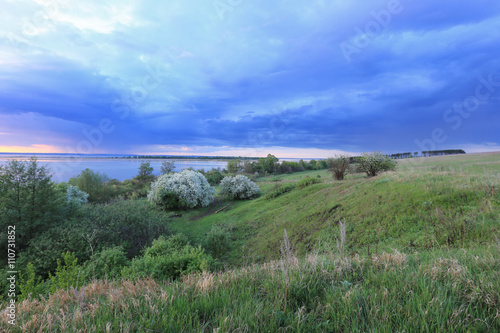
(245, 76)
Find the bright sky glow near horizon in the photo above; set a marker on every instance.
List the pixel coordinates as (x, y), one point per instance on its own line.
(301, 78)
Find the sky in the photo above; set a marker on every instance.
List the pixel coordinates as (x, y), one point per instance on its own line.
(295, 78)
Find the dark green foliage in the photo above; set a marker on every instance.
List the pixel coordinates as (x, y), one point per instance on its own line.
(269, 164)
(130, 223)
(93, 183)
(289, 167)
(217, 241)
(101, 189)
(307, 181)
(128, 189)
(45, 248)
(28, 200)
(68, 273)
(30, 283)
(163, 245)
(172, 201)
(213, 176)
(234, 166)
(145, 172)
(107, 264)
(168, 259)
(279, 190)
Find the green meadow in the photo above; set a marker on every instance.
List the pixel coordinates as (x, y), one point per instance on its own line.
(411, 250)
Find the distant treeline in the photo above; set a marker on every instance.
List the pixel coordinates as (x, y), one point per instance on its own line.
(170, 157)
(272, 165)
(427, 153)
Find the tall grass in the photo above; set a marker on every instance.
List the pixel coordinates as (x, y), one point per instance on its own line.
(440, 291)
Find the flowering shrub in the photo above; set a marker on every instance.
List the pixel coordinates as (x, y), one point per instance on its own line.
(374, 163)
(238, 187)
(185, 189)
(74, 195)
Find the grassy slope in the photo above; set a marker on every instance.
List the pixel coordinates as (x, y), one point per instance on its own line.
(427, 203)
(442, 214)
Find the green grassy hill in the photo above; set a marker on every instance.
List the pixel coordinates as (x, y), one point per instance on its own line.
(450, 201)
(422, 253)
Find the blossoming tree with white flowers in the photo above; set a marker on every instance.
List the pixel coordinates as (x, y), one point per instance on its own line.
(185, 189)
(238, 187)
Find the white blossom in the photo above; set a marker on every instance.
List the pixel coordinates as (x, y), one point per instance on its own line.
(238, 187)
(73, 194)
(189, 186)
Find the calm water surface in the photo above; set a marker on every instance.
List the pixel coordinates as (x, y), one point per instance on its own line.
(63, 168)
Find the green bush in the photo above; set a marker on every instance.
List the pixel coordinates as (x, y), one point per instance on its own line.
(307, 181)
(68, 273)
(164, 245)
(282, 189)
(214, 177)
(217, 241)
(108, 264)
(93, 183)
(30, 284)
(168, 259)
(129, 223)
(29, 200)
(45, 248)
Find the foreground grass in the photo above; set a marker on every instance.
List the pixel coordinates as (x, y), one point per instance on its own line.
(440, 291)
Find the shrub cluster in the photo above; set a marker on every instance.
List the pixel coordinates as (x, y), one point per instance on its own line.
(185, 189)
(217, 241)
(238, 187)
(338, 166)
(282, 189)
(168, 258)
(307, 181)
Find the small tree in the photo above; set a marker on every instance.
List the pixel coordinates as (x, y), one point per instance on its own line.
(93, 183)
(185, 189)
(145, 171)
(234, 166)
(374, 163)
(167, 167)
(338, 166)
(238, 187)
(217, 241)
(28, 199)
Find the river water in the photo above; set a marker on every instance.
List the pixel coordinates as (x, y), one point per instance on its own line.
(63, 167)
